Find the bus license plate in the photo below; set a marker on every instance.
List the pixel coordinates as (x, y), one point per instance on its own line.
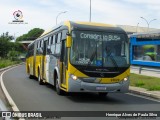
(101, 88)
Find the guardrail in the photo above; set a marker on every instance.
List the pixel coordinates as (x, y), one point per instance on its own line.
(140, 68)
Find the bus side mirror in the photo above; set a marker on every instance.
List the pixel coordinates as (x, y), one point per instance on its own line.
(69, 42)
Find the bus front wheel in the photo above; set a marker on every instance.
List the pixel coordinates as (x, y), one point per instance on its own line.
(58, 90)
(102, 94)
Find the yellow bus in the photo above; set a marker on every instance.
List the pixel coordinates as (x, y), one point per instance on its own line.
(81, 57)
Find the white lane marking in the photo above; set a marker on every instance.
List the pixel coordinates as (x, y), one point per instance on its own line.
(3, 107)
(11, 102)
(144, 97)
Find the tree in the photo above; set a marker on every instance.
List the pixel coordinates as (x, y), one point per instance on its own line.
(31, 35)
(6, 46)
(6, 36)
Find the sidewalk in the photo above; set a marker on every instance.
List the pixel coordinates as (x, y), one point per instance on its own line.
(154, 72)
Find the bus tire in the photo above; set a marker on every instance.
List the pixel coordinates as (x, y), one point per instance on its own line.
(30, 76)
(39, 78)
(102, 94)
(58, 90)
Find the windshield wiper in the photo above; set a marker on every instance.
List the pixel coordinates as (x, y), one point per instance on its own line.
(91, 59)
(114, 62)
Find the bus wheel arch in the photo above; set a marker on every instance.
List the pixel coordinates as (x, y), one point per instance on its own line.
(39, 77)
(57, 83)
(28, 70)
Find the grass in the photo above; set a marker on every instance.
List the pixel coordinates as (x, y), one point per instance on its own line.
(7, 62)
(147, 82)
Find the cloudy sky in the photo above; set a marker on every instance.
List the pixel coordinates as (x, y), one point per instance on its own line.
(42, 13)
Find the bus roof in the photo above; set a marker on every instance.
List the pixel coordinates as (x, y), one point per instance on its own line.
(83, 25)
(96, 27)
(95, 24)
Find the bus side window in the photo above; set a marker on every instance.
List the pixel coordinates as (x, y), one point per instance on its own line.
(52, 44)
(42, 44)
(58, 44)
(54, 39)
(64, 34)
(40, 49)
(37, 44)
(45, 45)
(59, 37)
(48, 49)
(49, 42)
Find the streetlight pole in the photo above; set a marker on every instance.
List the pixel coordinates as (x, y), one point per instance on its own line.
(148, 23)
(59, 15)
(137, 27)
(90, 12)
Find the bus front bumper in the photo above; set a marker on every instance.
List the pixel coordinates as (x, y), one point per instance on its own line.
(80, 86)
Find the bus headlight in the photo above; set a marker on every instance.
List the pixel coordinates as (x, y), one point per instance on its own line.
(74, 77)
(125, 79)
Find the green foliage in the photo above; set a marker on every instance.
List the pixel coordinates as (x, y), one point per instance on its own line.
(154, 88)
(7, 36)
(7, 62)
(147, 82)
(8, 49)
(139, 84)
(13, 55)
(31, 35)
(6, 45)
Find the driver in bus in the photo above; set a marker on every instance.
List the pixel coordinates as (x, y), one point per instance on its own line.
(108, 52)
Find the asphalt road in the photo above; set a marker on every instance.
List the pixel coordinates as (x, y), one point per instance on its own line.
(30, 96)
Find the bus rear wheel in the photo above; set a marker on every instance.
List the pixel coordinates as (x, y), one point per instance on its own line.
(30, 76)
(39, 79)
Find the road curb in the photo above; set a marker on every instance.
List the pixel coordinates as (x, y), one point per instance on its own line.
(143, 93)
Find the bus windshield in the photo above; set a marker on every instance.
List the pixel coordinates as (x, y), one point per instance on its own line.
(100, 49)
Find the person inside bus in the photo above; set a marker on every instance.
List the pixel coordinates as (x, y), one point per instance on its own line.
(108, 52)
(75, 53)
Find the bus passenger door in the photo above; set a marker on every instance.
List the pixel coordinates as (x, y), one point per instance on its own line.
(63, 59)
(44, 60)
(49, 64)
